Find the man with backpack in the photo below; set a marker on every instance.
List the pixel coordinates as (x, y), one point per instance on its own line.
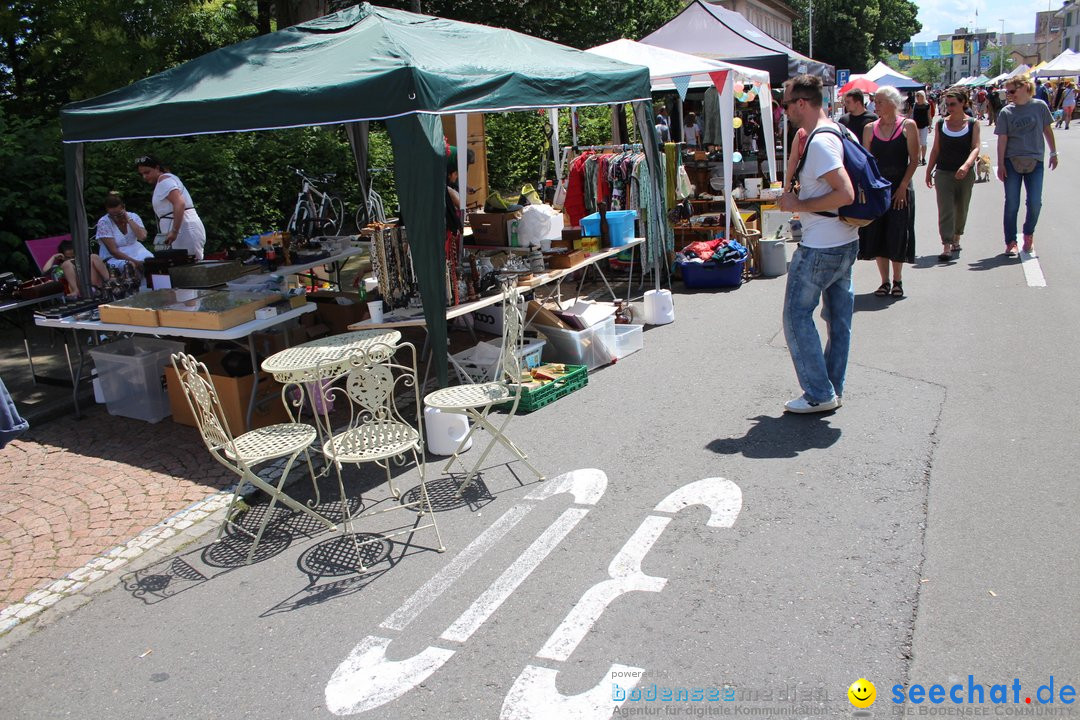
(821, 268)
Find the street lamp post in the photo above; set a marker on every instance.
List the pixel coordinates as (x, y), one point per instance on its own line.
(811, 3)
(1001, 44)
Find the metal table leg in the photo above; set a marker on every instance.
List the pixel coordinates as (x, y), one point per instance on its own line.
(255, 382)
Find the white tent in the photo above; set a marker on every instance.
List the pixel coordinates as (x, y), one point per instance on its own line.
(1065, 64)
(1019, 70)
(1000, 78)
(666, 65)
(882, 74)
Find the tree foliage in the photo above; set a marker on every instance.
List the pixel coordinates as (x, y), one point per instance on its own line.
(926, 70)
(855, 34)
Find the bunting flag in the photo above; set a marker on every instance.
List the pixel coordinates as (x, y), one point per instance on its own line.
(903, 56)
(719, 78)
(908, 50)
(945, 48)
(975, 47)
(933, 50)
(958, 47)
(921, 50)
(682, 84)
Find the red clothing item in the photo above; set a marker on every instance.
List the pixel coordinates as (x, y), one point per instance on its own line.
(603, 187)
(575, 190)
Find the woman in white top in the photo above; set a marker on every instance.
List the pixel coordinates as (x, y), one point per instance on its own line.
(174, 208)
(120, 235)
(691, 131)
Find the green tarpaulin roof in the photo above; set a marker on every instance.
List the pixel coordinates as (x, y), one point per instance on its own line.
(362, 63)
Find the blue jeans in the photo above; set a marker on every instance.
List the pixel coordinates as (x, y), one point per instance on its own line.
(1033, 181)
(817, 274)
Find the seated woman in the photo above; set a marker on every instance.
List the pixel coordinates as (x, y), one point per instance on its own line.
(63, 265)
(120, 234)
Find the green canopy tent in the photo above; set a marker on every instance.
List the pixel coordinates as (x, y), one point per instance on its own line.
(359, 64)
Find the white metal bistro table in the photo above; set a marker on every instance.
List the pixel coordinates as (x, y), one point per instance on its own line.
(13, 307)
(234, 334)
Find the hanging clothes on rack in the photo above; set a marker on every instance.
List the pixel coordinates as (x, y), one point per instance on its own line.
(574, 204)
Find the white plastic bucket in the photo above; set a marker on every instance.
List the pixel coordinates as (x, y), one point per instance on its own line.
(445, 431)
(773, 258)
(659, 307)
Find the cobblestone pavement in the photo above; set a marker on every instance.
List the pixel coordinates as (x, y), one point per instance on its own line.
(73, 490)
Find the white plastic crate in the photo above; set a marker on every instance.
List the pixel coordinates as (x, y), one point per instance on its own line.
(480, 363)
(132, 376)
(628, 339)
(593, 347)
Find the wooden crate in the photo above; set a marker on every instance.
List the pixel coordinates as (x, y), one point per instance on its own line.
(214, 312)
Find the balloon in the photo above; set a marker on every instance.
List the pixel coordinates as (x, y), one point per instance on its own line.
(738, 87)
(737, 157)
(736, 123)
(751, 96)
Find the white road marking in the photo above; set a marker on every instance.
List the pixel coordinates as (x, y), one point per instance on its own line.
(433, 588)
(1030, 263)
(367, 679)
(723, 498)
(534, 696)
(626, 576)
(586, 485)
(497, 593)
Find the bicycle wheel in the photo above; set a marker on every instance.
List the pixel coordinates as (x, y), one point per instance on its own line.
(337, 215)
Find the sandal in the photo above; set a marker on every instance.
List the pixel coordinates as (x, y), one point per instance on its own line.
(897, 289)
(883, 290)
(946, 253)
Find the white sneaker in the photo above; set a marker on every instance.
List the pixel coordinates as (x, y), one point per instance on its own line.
(802, 406)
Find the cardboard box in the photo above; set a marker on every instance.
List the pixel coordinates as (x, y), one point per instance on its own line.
(539, 315)
(489, 228)
(586, 314)
(334, 315)
(562, 260)
(234, 393)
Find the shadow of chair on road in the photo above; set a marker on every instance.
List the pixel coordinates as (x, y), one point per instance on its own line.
(779, 437)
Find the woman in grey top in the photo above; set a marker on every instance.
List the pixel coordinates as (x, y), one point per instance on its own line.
(1022, 126)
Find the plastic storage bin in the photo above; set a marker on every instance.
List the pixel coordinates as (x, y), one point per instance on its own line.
(628, 339)
(712, 275)
(132, 375)
(481, 362)
(620, 226)
(592, 347)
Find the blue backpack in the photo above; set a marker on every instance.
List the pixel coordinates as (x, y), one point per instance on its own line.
(873, 193)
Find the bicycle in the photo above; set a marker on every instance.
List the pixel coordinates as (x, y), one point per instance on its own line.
(317, 212)
(373, 208)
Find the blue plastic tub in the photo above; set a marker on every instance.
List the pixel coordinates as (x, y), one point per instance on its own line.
(712, 275)
(620, 226)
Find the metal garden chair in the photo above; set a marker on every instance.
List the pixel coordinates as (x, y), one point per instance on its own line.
(241, 454)
(377, 430)
(478, 400)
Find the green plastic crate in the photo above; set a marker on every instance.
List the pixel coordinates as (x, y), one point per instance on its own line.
(531, 400)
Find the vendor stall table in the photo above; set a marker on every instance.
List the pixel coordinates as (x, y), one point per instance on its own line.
(335, 262)
(551, 276)
(234, 334)
(14, 307)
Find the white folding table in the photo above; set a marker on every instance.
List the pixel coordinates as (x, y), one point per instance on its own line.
(234, 334)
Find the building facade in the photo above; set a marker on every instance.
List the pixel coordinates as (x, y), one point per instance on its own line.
(1048, 35)
(1069, 15)
(773, 17)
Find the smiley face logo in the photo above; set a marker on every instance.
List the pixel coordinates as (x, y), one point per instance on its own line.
(862, 693)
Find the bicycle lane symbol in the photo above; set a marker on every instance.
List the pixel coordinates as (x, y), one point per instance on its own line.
(366, 679)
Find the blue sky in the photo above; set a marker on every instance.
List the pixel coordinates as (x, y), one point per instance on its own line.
(943, 16)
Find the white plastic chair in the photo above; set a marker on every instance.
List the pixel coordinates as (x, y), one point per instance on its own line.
(241, 454)
(478, 400)
(377, 431)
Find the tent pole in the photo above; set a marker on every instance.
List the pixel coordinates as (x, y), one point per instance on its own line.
(74, 172)
(682, 123)
(357, 132)
(553, 115)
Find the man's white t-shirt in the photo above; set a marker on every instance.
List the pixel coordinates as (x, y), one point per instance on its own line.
(824, 153)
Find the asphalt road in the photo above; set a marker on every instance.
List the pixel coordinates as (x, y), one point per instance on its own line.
(924, 533)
